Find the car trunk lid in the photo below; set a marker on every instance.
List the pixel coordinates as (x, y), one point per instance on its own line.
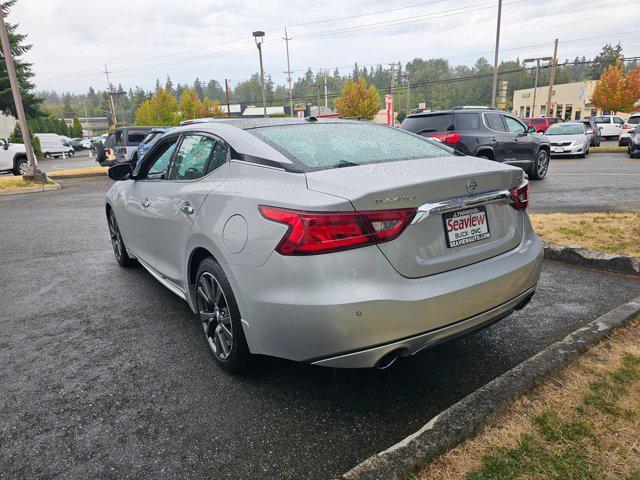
(423, 248)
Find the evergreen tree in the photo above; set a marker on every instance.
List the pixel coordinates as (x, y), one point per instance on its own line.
(168, 86)
(76, 128)
(608, 56)
(30, 100)
(215, 91)
(67, 110)
(198, 86)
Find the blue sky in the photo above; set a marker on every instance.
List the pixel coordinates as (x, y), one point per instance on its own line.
(141, 40)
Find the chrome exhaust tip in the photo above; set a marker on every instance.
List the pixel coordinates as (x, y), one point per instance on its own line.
(387, 360)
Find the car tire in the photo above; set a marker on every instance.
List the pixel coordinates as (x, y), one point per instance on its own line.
(71, 153)
(540, 168)
(119, 248)
(219, 317)
(21, 167)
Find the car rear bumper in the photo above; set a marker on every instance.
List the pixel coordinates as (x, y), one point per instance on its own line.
(349, 309)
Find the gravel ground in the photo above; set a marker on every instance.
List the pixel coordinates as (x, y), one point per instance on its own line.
(105, 373)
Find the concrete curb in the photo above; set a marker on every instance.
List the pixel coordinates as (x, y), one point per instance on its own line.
(60, 174)
(20, 191)
(460, 421)
(585, 257)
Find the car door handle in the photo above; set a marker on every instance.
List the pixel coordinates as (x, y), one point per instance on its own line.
(145, 203)
(187, 208)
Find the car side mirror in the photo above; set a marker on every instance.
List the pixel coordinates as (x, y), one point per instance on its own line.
(122, 171)
(531, 129)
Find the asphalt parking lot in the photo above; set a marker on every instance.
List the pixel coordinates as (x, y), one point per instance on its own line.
(602, 182)
(105, 373)
(81, 159)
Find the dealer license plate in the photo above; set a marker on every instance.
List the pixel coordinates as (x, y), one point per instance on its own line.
(466, 226)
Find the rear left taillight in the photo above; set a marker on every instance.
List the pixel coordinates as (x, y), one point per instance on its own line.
(448, 138)
(626, 126)
(312, 233)
(520, 196)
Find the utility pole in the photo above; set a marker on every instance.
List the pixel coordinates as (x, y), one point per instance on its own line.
(288, 72)
(393, 93)
(318, 86)
(226, 86)
(535, 83)
(326, 101)
(552, 78)
(32, 173)
(495, 58)
(112, 106)
(407, 77)
(259, 38)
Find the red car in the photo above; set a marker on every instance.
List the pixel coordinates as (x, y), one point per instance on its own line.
(541, 123)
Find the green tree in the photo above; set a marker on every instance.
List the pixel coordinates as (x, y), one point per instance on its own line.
(30, 100)
(76, 128)
(607, 57)
(67, 109)
(189, 104)
(358, 99)
(16, 137)
(616, 92)
(161, 110)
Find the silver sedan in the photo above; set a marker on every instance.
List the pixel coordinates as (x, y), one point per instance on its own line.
(339, 243)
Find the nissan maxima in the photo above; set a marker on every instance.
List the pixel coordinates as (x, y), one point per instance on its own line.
(333, 242)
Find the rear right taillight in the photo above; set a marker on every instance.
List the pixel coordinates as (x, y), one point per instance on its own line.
(520, 196)
(626, 126)
(312, 233)
(448, 138)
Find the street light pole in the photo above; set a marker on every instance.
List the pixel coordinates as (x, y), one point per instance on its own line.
(33, 174)
(495, 58)
(259, 38)
(535, 83)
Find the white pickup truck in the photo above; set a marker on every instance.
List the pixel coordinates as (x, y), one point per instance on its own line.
(13, 157)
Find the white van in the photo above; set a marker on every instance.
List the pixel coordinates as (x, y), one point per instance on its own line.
(53, 145)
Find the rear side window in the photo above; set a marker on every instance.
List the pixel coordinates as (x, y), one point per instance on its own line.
(633, 120)
(438, 122)
(149, 137)
(118, 137)
(494, 122)
(467, 121)
(601, 119)
(333, 145)
(134, 138)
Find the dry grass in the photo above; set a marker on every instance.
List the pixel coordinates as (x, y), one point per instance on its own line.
(583, 423)
(73, 172)
(608, 232)
(13, 182)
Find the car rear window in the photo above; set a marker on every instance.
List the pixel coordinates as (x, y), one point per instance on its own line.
(633, 120)
(467, 121)
(565, 129)
(538, 121)
(325, 146)
(436, 122)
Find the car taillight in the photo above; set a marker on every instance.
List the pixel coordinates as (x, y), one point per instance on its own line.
(626, 126)
(448, 138)
(312, 233)
(520, 196)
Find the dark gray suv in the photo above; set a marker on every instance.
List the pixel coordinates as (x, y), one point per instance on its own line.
(485, 133)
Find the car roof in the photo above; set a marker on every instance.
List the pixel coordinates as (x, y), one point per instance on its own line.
(250, 123)
(456, 110)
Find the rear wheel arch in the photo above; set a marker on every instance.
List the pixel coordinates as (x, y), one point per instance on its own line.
(17, 157)
(486, 152)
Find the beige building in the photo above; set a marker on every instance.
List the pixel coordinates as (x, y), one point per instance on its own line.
(570, 101)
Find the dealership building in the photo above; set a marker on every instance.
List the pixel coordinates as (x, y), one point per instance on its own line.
(569, 101)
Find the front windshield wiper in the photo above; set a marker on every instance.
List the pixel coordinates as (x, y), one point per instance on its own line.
(345, 163)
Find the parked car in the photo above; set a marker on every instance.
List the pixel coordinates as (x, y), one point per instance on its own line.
(569, 138)
(76, 144)
(13, 157)
(627, 127)
(540, 124)
(127, 140)
(609, 125)
(361, 242)
(634, 143)
(593, 131)
(53, 145)
(485, 133)
(153, 136)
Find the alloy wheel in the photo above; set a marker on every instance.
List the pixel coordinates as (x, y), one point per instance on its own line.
(215, 316)
(23, 168)
(542, 164)
(116, 241)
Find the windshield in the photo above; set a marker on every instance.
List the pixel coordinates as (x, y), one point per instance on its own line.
(565, 129)
(325, 146)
